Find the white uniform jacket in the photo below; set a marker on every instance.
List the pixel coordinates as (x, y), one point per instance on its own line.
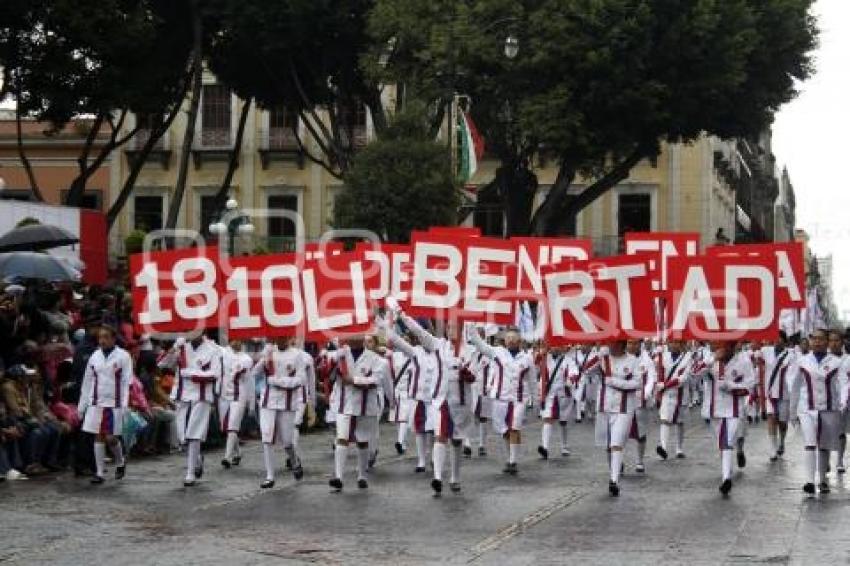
(106, 382)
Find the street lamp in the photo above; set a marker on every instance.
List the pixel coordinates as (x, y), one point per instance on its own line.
(231, 223)
(511, 47)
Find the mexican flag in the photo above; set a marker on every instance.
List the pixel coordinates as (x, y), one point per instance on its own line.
(470, 146)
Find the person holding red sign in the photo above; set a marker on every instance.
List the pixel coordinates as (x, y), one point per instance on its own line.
(360, 371)
(451, 398)
(815, 404)
(777, 361)
(198, 364)
(236, 397)
(282, 399)
(731, 376)
(673, 364)
(420, 387)
(616, 405)
(104, 397)
(512, 386)
(557, 379)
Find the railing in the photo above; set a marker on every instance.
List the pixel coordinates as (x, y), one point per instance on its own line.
(215, 138)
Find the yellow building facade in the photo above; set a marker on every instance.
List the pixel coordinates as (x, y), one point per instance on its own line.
(682, 190)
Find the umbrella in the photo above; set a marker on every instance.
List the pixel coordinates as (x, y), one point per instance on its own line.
(33, 265)
(36, 237)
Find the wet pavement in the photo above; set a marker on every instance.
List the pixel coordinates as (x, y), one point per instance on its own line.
(553, 512)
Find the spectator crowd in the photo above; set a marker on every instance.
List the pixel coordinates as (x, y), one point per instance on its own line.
(47, 334)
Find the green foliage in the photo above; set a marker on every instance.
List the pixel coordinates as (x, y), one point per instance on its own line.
(65, 58)
(134, 242)
(399, 183)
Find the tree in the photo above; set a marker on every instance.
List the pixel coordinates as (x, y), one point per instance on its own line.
(600, 84)
(399, 183)
(303, 55)
(105, 59)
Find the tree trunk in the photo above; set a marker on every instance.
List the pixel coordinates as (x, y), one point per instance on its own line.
(22, 154)
(233, 162)
(558, 213)
(78, 185)
(517, 186)
(141, 158)
(545, 214)
(191, 119)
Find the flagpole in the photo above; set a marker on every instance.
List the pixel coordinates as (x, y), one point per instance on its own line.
(453, 119)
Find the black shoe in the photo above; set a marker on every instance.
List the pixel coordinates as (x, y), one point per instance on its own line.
(419, 469)
(267, 484)
(120, 471)
(373, 458)
(774, 458)
(288, 464)
(437, 486)
(225, 463)
(544, 454)
(809, 489)
(97, 480)
(726, 487)
(399, 448)
(236, 460)
(298, 472)
(742, 460)
(614, 489)
(661, 452)
(482, 451)
(680, 455)
(335, 484)
(511, 469)
(824, 487)
(455, 487)
(780, 451)
(189, 483)
(467, 451)
(362, 483)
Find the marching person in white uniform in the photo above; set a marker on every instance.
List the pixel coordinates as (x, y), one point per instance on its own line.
(360, 370)
(511, 387)
(778, 362)
(400, 370)
(673, 367)
(836, 346)
(386, 396)
(640, 422)
(236, 398)
(423, 373)
(104, 397)
(586, 359)
(616, 405)
(198, 365)
(816, 404)
(557, 375)
(284, 368)
(478, 365)
(730, 376)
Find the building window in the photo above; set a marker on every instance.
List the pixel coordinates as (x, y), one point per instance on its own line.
(634, 213)
(147, 124)
(209, 212)
(279, 226)
(91, 199)
(147, 213)
(282, 123)
(215, 116)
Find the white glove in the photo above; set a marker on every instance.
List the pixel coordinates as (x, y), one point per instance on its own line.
(392, 305)
(180, 342)
(381, 323)
(268, 350)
